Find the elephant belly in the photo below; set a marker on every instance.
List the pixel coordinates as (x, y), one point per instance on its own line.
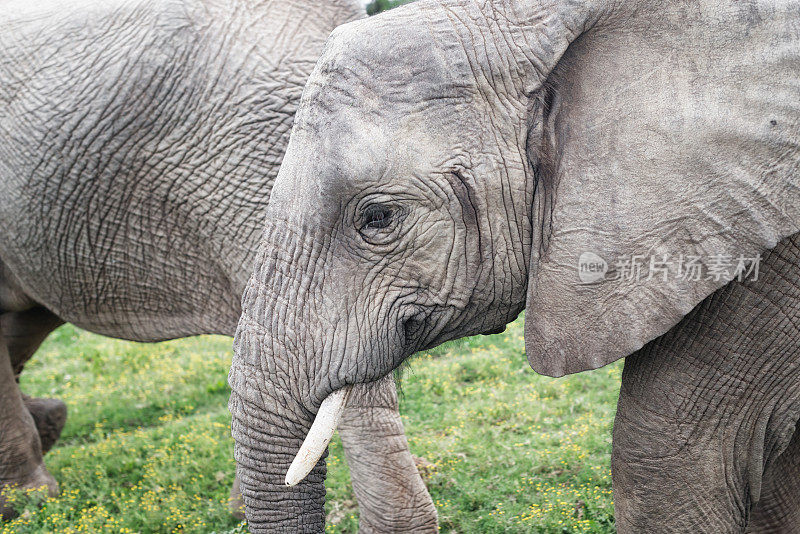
(140, 301)
(132, 272)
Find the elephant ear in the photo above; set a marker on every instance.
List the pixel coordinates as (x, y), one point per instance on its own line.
(670, 163)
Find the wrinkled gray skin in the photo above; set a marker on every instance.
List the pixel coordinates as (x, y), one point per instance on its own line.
(449, 164)
(138, 146)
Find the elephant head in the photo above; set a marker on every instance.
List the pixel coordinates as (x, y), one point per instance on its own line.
(454, 162)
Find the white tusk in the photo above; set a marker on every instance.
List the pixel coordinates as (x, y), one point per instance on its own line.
(320, 434)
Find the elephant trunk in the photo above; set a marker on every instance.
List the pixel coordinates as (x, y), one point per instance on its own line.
(267, 436)
(287, 391)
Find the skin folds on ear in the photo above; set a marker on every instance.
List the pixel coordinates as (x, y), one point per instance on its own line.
(673, 162)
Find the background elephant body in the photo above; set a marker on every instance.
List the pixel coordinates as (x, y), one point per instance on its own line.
(139, 141)
(453, 161)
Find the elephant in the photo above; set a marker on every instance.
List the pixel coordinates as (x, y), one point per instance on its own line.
(139, 141)
(624, 171)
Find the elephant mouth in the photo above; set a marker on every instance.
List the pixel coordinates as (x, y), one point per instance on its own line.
(319, 435)
(330, 411)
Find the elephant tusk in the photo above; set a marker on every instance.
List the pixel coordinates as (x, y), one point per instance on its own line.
(320, 434)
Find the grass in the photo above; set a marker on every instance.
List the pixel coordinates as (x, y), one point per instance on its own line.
(147, 446)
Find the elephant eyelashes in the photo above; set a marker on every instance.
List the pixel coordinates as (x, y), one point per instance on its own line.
(378, 223)
(376, 217)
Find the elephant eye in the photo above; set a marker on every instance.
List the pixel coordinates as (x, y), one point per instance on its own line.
(376, 217)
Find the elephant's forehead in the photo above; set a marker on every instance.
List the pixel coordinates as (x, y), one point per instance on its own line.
(378, 64)
(353, 149)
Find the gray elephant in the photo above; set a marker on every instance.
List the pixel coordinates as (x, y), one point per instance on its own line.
(139, 141)
(625, 171)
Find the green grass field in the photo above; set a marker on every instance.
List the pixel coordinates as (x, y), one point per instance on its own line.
(147, 446)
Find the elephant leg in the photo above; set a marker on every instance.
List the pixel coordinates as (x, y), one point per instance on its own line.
(49, 417)
(21, 462)
(707, 410)
(22, 334)
(24, 331)
(778, 510)
(391, 494)
(235, 502)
